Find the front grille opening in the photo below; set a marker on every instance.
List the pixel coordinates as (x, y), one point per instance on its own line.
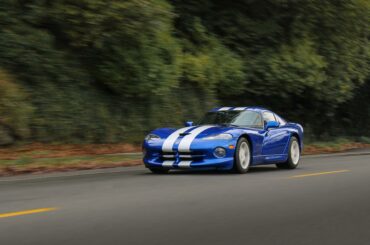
(183, 156)
(168, 156)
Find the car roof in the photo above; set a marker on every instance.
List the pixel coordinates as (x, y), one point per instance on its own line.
(241, 108)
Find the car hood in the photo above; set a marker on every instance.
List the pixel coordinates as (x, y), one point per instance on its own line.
(196, 131)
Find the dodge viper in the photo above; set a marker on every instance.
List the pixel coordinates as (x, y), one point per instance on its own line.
(227, 138)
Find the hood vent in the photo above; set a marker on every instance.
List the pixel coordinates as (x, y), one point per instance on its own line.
(184, 134)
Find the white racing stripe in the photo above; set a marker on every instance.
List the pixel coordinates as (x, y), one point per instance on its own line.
(184, 164)
(185, 143)
(239, 108)
(224, 108)
(168, 143)
(168, 163)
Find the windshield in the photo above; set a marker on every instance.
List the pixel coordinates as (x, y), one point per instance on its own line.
(250, 119)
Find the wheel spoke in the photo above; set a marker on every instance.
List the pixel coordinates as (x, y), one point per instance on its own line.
(244, 155)
(295, 152)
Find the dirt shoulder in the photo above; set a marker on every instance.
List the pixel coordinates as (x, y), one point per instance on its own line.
(42, 158)
(333, 147)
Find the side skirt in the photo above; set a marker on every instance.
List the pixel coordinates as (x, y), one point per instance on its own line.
(270, 159)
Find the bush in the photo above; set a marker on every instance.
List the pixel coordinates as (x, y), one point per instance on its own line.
(94, 71)
(15, 110)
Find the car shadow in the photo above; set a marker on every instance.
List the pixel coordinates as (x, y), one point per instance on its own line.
(262, 169)
(252, 170)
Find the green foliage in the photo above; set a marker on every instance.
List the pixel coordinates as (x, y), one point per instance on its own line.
(109, 71)
(301, 58)
(214, 69)
(128, 44)
(15, 110)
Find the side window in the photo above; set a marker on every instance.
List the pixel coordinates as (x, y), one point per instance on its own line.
(280, 120)
(268, 116)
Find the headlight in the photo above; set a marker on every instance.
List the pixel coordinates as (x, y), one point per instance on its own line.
(219, 137)
(152, 137)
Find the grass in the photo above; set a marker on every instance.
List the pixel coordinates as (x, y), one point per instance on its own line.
(28, 164)
(335, 145)
(98, 159)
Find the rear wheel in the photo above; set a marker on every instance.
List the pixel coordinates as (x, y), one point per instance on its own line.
(159, 170)
(293, 155)
(242, 156)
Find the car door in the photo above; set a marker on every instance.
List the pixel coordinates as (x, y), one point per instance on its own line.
(275, 139)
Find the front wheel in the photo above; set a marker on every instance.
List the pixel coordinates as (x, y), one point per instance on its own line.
(293, 157)
(242, 156)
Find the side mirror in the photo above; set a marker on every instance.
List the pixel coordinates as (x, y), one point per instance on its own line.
(271, 124)
(188, 123)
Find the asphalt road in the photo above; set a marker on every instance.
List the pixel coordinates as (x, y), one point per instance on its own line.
(325, 201)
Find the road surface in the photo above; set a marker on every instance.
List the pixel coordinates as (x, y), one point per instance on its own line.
(325, 201)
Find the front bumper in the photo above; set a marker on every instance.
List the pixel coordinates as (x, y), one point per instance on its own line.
(215, 163)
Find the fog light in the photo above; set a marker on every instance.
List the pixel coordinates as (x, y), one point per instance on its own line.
(219, 152)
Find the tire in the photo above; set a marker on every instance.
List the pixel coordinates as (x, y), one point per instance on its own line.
(293, 155)
(159, 170)
(242, 158)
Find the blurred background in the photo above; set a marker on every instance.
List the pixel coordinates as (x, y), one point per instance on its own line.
(109, 71)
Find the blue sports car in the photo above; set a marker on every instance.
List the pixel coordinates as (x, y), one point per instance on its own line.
(227, 138)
